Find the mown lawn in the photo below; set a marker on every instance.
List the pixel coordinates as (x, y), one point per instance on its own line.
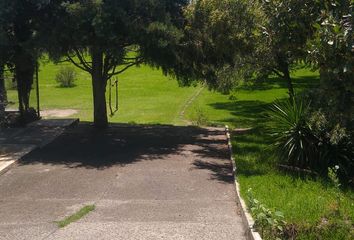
(145, 95)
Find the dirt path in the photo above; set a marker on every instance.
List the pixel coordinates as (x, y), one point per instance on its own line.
(190, 101)
(147, 182)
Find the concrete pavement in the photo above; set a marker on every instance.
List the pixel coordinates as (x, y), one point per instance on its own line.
(17, 142)
(147, 182)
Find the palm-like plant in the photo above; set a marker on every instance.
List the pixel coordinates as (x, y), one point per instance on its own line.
(294, 141)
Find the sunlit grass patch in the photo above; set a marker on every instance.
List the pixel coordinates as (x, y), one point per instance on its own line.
(76, 216)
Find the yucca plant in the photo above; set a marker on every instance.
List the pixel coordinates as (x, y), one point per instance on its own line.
(293, 140)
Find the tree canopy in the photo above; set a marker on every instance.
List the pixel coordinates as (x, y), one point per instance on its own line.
(20, 43)
(105, 38)
(237, 39)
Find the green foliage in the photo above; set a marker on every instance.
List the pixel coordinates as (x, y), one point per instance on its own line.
(331, 51)
(333, 176)
(219, 36)
(229, 42)
(308, 205)
(307, 141)
(108, 37)
(66, 77)
(200, 118)
(286, 31)
(293, 139)
(330, 227)
(335, 146)
(10, 82)
(269, 223)
(21, 38)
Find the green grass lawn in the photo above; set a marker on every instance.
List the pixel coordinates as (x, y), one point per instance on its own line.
(147, 96)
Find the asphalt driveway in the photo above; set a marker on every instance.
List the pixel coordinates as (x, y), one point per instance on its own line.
(147, 182)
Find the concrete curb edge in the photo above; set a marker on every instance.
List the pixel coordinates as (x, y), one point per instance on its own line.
(247, 219)
(14, 161)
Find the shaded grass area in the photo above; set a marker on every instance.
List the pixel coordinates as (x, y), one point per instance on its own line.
(308, 204)
(76, 216)
(245, 106)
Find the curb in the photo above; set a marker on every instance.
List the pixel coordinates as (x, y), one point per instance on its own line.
(10, 163)
(247, 219)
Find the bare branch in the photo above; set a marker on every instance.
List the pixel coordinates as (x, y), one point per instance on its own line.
(106, 63)
(70, 59)
(82, 59)
(277, 73)
(114, 73)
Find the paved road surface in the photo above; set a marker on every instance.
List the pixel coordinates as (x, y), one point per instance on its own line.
(147, 182)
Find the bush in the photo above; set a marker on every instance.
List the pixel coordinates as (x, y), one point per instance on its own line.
(269, 223)
(201, 118)
(294, 141)
(309, 141)
(335, 145)
(66, 77)
(10, 82)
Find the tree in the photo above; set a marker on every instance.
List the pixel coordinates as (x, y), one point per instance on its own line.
(105, 38)
(3, 97)
(219, 36)
(282, 45)
(331, 51)
(20, 24)
(238, 39)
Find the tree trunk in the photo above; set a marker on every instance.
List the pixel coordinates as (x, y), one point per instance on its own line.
(289, 83)
(284, 68)
(24, 73)
(3, 98)
(99, 89)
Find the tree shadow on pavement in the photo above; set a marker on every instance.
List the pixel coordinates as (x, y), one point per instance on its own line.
(123, 144)
(221, 171)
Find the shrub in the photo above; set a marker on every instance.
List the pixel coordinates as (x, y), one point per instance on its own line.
(335, 145)
(201, 118)
(66, 77)
(10, 82)
(309, 141)
(270, 224)
(294, 141)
